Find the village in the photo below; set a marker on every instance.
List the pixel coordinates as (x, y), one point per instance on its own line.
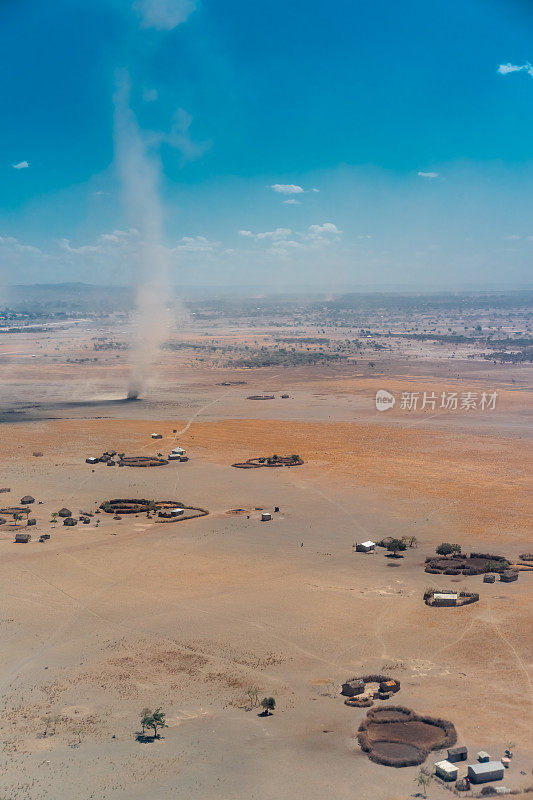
(306, 553)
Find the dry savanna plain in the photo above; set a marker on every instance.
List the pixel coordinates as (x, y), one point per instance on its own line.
(201, 616)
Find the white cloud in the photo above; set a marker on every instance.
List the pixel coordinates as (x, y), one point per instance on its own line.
(13, 245)
(105, 243)
(428, 174)
(287, 188)
(83, 250)
(110, 250)
(278, 233)
(327, 227)
(315, 190)
(163, 15)
(284, 239)
(506, 69)
(21, 165)
(513, 237)
(291, 202)
(196, 244)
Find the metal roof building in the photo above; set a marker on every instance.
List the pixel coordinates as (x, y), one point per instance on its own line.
(488, 771)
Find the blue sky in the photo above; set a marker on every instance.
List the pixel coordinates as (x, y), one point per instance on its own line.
(397, 137)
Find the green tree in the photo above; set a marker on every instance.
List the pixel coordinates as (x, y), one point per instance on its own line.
(16, 517)
(146, 718)
(497, 566)
(456, 548)
(395, 546)
(423, 779)
(445, 549)
(158, 721)
(54, 516)
(268, 704)
(153, 719)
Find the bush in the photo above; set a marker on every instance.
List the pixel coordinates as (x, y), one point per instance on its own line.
(444, 549)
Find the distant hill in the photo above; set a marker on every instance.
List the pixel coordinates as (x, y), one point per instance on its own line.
(61, 297)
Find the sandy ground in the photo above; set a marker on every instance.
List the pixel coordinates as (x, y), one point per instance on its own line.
(100, 622)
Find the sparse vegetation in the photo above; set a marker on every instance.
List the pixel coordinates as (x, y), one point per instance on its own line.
(395, 546)
(268, 704)
(444, 549)
(153, 720)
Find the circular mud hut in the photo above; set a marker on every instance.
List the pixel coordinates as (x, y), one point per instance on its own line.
(396, 736)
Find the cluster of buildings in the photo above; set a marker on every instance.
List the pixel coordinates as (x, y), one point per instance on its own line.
(484, 770)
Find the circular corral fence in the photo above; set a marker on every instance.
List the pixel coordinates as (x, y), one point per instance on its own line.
(472, 564)
(398, 737)
(270, 461)
(142, 461)
(166, 510)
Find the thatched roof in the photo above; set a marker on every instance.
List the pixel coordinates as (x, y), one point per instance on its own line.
(27, 499)
(65, 512)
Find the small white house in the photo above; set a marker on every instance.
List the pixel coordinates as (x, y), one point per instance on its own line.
(446, 770)
(365, 547)
(91, 460)
(175, 512)
(174, 456)
(266, 517)
(178, 451)
(157, 435)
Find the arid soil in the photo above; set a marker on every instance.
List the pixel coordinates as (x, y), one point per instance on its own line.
(105, 619)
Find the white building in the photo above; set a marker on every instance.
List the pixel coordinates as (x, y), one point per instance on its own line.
(365, 547)
(446, 770)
